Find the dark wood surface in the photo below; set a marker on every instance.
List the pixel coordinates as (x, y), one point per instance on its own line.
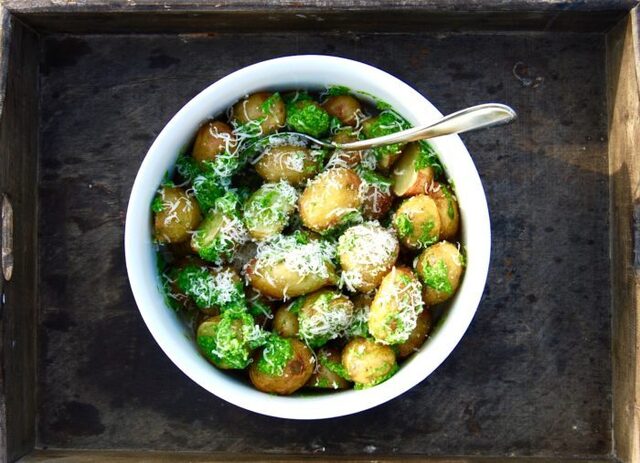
(623, 65)
(531, 377)
(151, 16)
(18, 165)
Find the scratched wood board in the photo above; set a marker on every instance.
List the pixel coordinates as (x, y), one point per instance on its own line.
(532, 376)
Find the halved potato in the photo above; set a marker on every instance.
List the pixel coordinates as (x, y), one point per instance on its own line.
(283, 366)
(367, 252)
(407, 179)
(440, 269)
(417, 222)
(447, 205)
(395, 308)
(176, 215)
(345, 107)
(266, 110)
(329, 199)
(213, 139)
(295, 164)
(329, 372)
(367, 362)
(417, 337)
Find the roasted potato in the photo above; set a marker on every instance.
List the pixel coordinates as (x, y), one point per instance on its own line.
(410, 177)
(330, 199)
(440, 269)
(268, 210)
(324, 315)
(368, 363)
(375, 193)
(176, 215)
(219, 237)
(417, 337)
(294, 164)
(340, 158)
(448, 211)
(395, 308)
(417, 222)
(344, 107)
(285, 322)
(265, 110)
(386, 123)
(283, 367)
(227, 340)
(288, 267)
(329, 372)
(213, 139)
(367, 252)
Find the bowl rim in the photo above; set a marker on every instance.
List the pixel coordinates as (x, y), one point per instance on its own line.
(162, 326)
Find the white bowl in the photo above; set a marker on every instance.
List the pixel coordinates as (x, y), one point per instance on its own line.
(302, 72)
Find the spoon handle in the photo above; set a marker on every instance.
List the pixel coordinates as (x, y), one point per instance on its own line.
(475, 117)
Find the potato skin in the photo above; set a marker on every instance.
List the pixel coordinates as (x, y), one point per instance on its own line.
(367, 362)
(212, 139)
(417, 222)
(250, 109)
(395, 307)
(407, 180)
(448, 211)
(318, 320)
(440, 269)
(417, 337)
(323, 377)
(329, 198)
(340, 158)
(295, 164)
(285, 322)
(345, 107)
(296, 373)
(367, 253)
(179, 216)
(279, 282)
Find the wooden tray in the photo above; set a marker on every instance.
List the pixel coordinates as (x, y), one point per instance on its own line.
(549, 368)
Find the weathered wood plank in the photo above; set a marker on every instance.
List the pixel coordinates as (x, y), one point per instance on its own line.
(18, 179)
(87, 22)
(624, 164)
(27, 6)
(62, 456)
(532, 376)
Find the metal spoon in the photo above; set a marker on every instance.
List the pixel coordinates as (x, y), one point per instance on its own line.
(473, 118)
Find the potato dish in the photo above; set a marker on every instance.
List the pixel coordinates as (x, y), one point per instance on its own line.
(302, 268)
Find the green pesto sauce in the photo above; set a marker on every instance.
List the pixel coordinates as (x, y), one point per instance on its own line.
(187, 167)
(374, 178)
(277, 353)
(447, 194)
(207, 190)
(157, 205)
(404, 225)
(334, 367)
(231, 340)
(426, 235)
(307, 117)
(337, 90)
(427, 157)
(436, 276)
(267, 105)
(385, 123)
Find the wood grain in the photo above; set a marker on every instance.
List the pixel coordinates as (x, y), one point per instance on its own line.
(18, 179)
(61, 456)
(82, 16)
(531, 377)
(624, 164)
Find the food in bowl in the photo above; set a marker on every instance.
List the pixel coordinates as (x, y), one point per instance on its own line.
(302, 267)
